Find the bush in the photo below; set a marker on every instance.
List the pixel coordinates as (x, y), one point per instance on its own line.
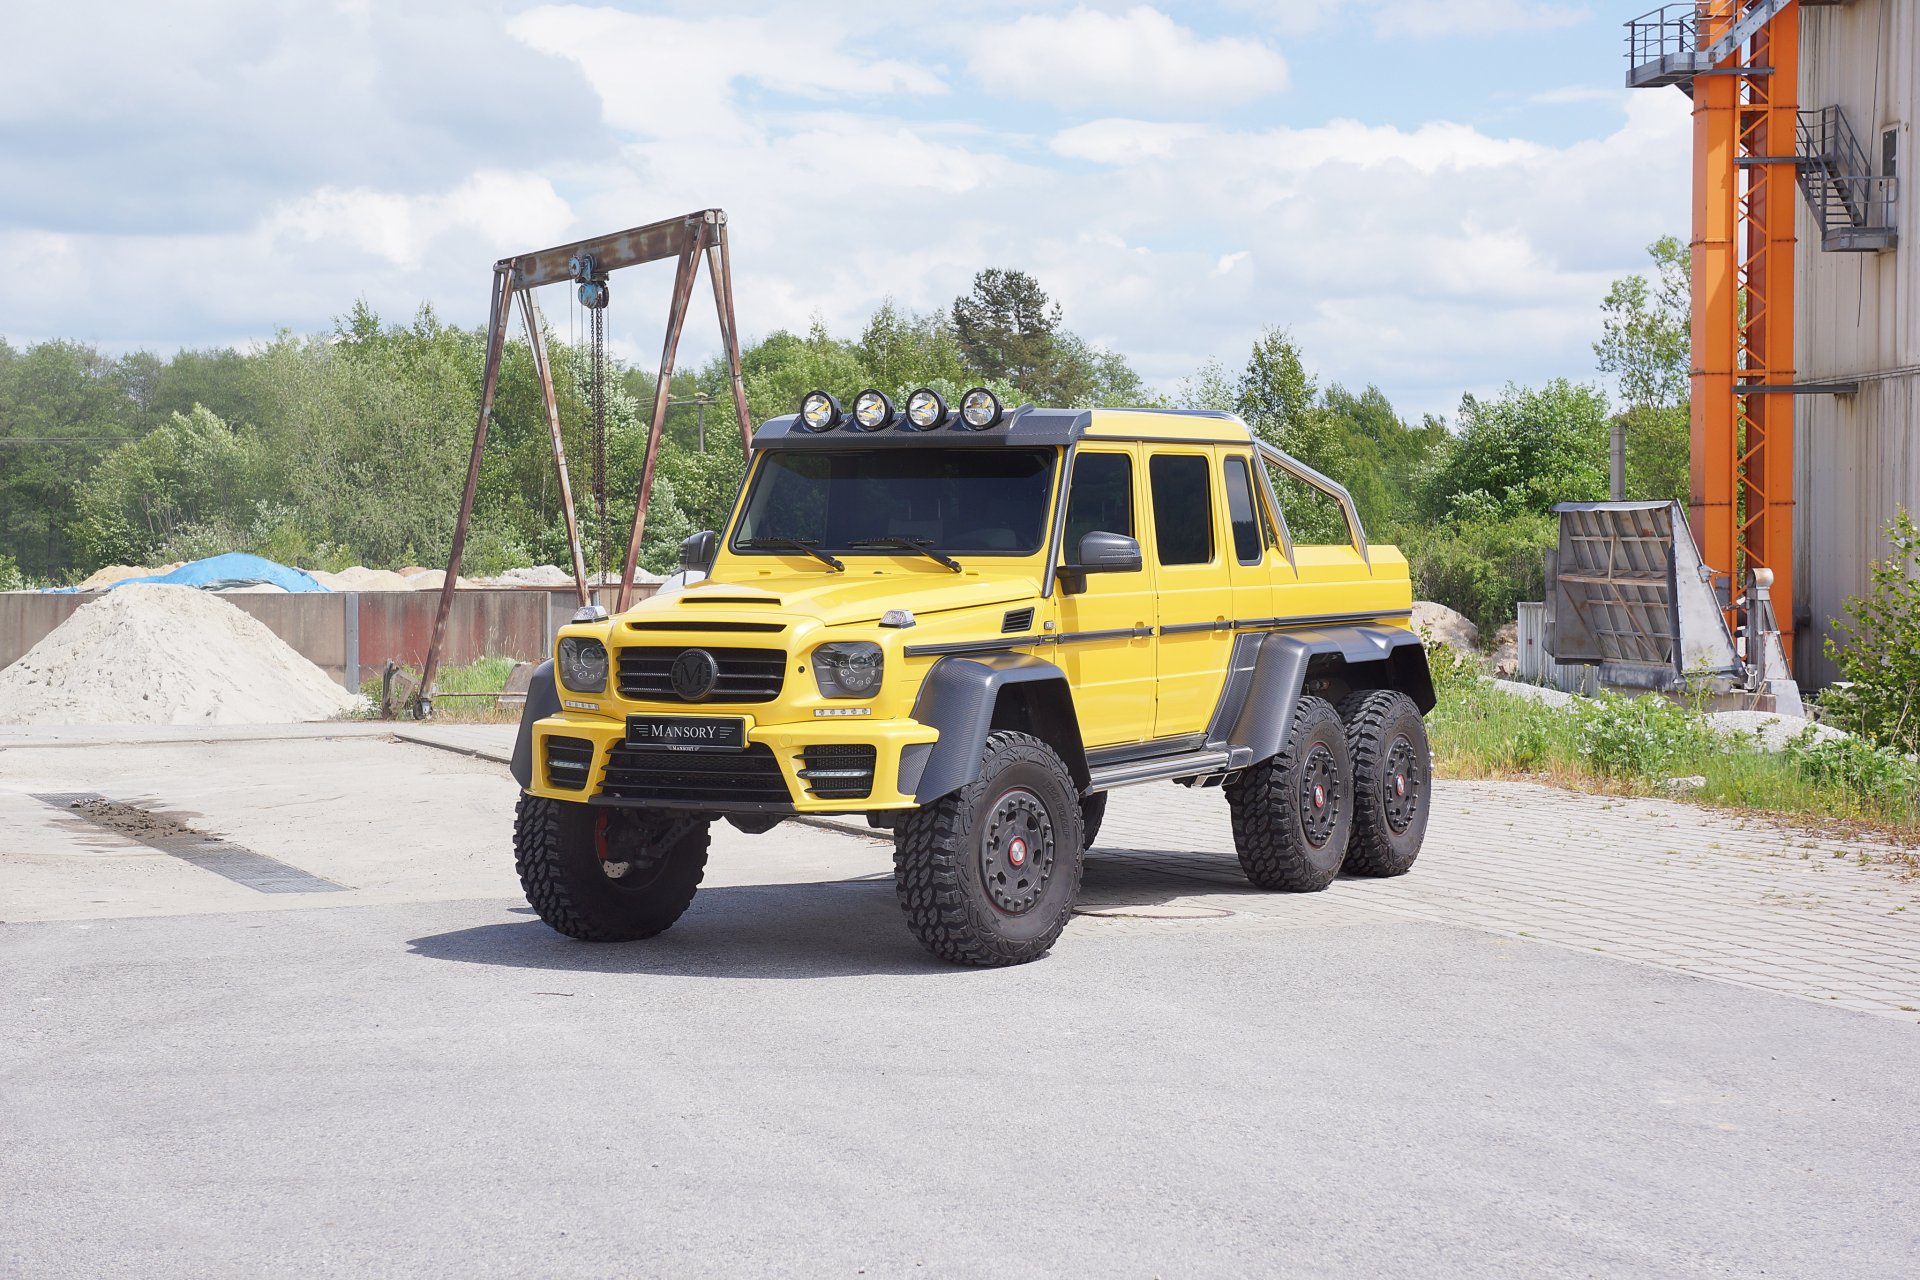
(1483, 565)
(1855, 765)
(1639, 737)
(11, 578)
(1878, 650)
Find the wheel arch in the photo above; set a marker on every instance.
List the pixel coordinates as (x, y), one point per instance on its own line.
(543, 700)
(1273, 671)
(967, 699)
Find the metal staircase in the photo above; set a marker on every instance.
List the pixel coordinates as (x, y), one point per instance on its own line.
(1854, 205)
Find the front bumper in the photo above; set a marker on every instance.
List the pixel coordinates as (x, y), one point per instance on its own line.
(591, 762)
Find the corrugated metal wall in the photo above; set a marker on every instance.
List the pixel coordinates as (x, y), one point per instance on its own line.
(1857, 458)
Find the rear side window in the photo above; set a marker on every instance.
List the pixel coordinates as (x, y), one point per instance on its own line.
(1101, 500)
(1247, 546)
(1182, 508)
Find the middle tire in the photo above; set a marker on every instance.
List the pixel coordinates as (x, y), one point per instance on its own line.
(987, 875)
(1293, 814)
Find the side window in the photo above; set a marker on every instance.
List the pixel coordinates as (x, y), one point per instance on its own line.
(1248, 545)
(1182, 508)
(1101, 500)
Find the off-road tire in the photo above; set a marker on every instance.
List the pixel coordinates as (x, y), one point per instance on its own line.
(1392, 781)
(1284, 843)
(1093, 811)
(939, 852)
(555, 850)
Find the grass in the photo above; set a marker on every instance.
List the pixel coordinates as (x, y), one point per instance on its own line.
(486, 676)
(1635, 747)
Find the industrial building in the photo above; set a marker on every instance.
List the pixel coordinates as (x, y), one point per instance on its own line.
(1806, 290)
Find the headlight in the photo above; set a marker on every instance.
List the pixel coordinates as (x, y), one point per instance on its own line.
(925, 409)
(820, 411)
(872, 410)
(848, 670)
(583, 665)
(980, 408)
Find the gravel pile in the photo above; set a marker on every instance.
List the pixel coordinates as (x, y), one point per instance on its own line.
(152, 654)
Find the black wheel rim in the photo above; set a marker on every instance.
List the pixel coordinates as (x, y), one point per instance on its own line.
(631, 852)
(1319, 795)
(1016, 851)
(1403, 784)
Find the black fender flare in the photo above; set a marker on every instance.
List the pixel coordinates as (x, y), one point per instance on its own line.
(958, 699)
(1255, 718)
(543, 700)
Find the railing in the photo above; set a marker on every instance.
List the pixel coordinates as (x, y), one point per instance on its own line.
(1662, 32)
(1854, 205)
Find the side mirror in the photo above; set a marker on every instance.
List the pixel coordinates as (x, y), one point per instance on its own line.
(697, 552)
(1109, 553)
(1099, 553)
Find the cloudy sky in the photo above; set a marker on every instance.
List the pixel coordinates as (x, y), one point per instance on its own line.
(1432, 194)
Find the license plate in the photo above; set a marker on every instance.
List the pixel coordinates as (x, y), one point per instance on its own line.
(688, 733)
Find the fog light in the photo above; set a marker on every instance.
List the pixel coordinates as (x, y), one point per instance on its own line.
(925, 409)
(980, 408)
(872, 410)
(820, 411)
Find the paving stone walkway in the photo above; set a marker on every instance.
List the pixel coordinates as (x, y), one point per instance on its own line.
(1711, 894)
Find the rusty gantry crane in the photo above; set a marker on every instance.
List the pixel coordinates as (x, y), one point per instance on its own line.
(587, 264)
(1739, 60)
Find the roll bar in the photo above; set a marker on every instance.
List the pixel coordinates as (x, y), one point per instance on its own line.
(1300, 471)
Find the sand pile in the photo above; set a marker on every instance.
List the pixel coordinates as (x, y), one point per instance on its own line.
(1445, 625)
(151, 654)
(361, 578)
(434, 579)
(539, 575)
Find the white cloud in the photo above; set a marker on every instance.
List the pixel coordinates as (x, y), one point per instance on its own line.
(507, 208)
(660, 76)
(1465, 17)
(1140, 57)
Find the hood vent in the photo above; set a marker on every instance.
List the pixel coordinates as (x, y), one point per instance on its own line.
(1016, 621)
(705, 599)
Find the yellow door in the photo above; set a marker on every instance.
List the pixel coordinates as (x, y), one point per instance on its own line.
(1105, 645)
(1195, 592)
(1255, 554)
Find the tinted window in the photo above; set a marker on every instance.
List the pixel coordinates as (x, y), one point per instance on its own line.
(1182, 508)
(957, 500)
(1240, 512)
(1101, 500)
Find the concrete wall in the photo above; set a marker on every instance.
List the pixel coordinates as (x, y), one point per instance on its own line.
(1857, 458)
(349, 635)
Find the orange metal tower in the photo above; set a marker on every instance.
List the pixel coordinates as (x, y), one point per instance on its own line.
(1740, 61)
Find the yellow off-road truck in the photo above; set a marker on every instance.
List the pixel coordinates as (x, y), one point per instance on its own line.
(968, 625)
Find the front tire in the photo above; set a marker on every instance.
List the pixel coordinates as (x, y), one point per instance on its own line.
(607, 875)
(1392, 781)
(1292, 815)
(987, 875)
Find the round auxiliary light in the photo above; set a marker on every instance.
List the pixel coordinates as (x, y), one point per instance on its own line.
(819, 411)
(872, 410)
(925, 409)
(980, 409)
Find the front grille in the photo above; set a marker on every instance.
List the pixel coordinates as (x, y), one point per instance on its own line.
(838, 771)
(569, 762)
(746, 675)
(696, 778)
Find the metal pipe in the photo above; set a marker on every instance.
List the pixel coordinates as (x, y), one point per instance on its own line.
(1617, 462)
(720, 267)
(1326, 484)
(683, 281)
(543, 371)
(496, 345)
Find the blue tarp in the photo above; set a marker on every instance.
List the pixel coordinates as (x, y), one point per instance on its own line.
(234, 569)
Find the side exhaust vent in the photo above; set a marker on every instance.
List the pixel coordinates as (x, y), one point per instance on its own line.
(1016, 621)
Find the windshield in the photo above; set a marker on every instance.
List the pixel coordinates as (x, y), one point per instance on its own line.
(963, 501)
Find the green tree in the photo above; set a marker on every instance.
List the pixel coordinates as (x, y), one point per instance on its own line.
(1006, 327)
(1521, 452)
(1645, 343)
(193, 474)
(1877, 648)
(62, 408)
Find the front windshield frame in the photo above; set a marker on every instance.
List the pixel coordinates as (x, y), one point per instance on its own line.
(1046, 482)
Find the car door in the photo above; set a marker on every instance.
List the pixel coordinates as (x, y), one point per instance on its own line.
(1105, 640)
(1195, 599)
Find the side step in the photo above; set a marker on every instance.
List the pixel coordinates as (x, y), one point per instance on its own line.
(1161, 768)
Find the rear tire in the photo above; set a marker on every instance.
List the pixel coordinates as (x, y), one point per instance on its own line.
(607, 875)
(1093, 811)
(1392, 781)
(987, 875)
(1292, 815)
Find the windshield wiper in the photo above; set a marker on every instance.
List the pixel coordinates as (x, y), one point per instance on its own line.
(804, 545)
(918, 546)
